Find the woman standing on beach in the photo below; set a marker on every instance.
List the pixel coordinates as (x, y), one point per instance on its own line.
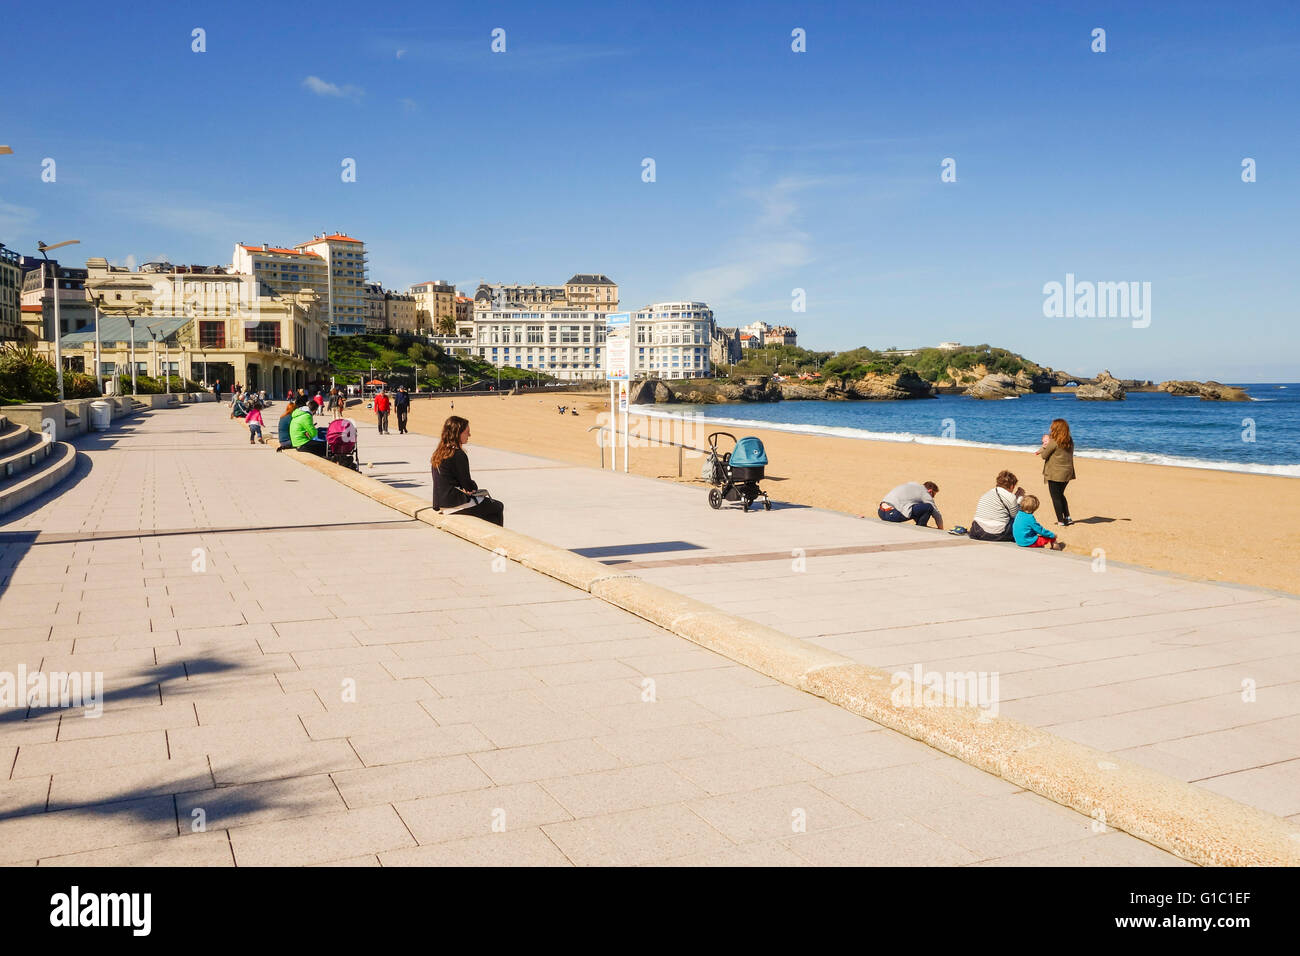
(1058, 466)
(454, 491)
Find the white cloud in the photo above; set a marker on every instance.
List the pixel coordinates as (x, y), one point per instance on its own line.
(401, 53)
(323, 88)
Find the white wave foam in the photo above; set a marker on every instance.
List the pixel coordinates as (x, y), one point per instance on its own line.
(1104, 454)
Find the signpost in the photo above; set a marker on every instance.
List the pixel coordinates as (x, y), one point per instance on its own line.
(618, 361)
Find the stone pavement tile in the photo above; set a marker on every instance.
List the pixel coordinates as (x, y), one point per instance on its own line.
(119, 642)
(328, 680)
(23, 634)
(541, 728)
(411, 650)
(484, 682)
(622, 718)
(113, 721)
(682, 659)
(993, 826)
(774, 812)
(342, 656)
(90, 754)
(241, 737)
(93, 828)
(393, 717)
(635, 837)
(520, 707)
(717, 680)
(476, 812)
(1218, 753)
(773, 699)
(895, 791)
(661, 744)
(320, 838)
(626, 788)
(281, 760)
(22, 796)
(387, 748)
(871, 750)
(1112, 848)
(746, 770)
(39, 727)
(577, 672)
(226, 807)
(392, 783)
(114, 784)
(273, 704)
(372, 692)
(199, 849)
(427, 667)
(890, 842)
(789, 727)
(750, 854)
(619, 690)
(541, 761)
(1274, 788)
(529, 847)
(369, 859)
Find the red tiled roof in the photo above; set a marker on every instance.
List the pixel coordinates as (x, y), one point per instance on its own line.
(32, 308)
(283, 252)
(337, 237)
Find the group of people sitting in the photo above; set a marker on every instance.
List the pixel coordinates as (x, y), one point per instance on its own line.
(1005, 512)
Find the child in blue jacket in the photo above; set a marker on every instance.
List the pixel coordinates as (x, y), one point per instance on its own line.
(1028, 532)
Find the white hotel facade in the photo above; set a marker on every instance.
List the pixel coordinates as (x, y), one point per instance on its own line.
(670, 340)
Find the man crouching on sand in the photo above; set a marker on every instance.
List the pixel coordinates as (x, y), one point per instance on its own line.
(912, 501)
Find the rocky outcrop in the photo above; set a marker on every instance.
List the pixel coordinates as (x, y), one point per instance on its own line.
(994, 385)
(895, 386)
(1206, 391)
(1104, 388)
(649, 392)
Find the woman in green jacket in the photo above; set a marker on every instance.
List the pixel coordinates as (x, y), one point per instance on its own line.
(1058, 466)
(302, 430)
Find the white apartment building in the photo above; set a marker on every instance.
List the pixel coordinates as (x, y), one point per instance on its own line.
(670, 340)
(345, 260)
(287, 271)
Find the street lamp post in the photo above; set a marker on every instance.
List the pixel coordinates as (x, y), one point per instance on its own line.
(58, 330)
(97, 301)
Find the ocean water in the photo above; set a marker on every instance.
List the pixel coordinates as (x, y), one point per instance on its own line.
(1261, 436)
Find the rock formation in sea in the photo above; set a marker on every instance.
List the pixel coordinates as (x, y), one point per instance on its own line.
(996, 385)
(1207, 391)
(1104, 388)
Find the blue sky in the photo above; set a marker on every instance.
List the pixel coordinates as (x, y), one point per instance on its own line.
(775, 170)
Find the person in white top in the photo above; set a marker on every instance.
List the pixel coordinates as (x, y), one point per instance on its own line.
(997, 509)
(912, 501)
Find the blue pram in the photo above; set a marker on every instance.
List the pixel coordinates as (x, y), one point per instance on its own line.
(735, 474)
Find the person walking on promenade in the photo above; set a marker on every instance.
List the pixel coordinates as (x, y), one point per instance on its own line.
(1028, 532)
(1058, 467)
(454, 491)
(381, 411)
(402, 405)
(912, 501)
(997, 509)
(216, 391)
(254, 420)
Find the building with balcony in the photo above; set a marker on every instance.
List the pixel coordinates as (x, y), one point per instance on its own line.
(42, 280)
(672, 340)
(11, 285)
(374, 306)
(203, 324)
(401, 313)
(584, 292)
(344, 295)
(464, 315)
(287, 271)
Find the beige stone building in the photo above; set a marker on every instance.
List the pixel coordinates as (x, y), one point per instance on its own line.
(584, 292)
(436, 305)
(401, 313)
(464, 315)
(344, 294)
(206, 325)
(376, 313)
(11, 284)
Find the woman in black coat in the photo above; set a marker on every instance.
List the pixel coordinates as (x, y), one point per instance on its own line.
(452, 485)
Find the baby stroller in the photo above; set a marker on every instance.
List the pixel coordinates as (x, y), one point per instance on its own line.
(341, 443)
(736, 474)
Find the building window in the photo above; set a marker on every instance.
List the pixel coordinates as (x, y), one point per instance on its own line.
(263, 333)
(212, 335)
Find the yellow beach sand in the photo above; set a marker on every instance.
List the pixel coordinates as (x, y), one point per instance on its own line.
(1223, 526)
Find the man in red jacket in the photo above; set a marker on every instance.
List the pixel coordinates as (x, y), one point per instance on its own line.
(381, 411)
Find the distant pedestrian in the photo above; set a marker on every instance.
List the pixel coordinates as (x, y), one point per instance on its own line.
(216, 391)
(402, 405)
(381, 411)
(254, 420)
(1058, 467)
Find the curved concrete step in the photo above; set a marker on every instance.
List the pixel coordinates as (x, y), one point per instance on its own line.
(24, 456)
(52, 471)
(12, 435)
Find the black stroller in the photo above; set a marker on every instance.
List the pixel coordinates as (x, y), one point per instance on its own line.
(735, 474)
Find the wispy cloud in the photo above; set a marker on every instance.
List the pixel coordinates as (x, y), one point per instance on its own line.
(409, 105)
(323, 88)
(771, 244)
(15, 219)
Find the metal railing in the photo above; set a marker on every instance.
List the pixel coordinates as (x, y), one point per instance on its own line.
(681, 449)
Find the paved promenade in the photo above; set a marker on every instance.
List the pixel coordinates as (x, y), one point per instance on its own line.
(295, 674)
(1197, 680)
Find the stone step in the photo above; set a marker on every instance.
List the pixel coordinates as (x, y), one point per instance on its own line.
(12, 435)
(51, 471)
(23, 456)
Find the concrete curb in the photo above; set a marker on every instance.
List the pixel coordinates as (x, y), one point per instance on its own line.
(1193, 823)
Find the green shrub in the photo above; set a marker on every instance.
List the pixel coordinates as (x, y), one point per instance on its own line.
(26, 377)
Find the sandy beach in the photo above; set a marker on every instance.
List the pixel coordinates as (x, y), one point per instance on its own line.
(1223, 526)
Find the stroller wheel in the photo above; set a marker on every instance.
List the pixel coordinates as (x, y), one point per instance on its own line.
(745, 503)
(767, 504)
(715, 498)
